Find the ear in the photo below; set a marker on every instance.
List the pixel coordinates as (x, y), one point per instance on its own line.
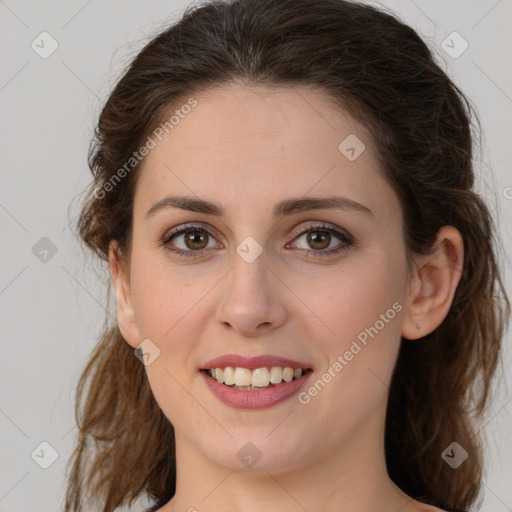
(433, 286)
(125, 312)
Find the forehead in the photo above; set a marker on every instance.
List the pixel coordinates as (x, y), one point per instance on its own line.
(240, 116)
(252, 143)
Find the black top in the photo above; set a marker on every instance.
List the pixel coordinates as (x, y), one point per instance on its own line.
(156, 506)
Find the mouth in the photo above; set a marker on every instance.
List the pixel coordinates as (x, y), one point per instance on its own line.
(257, 379)
(254, 383)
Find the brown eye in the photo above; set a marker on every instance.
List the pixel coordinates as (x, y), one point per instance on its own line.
(317, 239)
(188, 241)
(195, 239)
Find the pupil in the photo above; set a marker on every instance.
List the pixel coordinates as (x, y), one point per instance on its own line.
(195, 238)
(318, 238)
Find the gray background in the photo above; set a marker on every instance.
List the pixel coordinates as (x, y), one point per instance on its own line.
(52, 311)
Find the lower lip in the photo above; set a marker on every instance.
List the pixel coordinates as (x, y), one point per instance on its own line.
(241, 399)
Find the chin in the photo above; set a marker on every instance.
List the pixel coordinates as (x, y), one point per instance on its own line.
(255, 451)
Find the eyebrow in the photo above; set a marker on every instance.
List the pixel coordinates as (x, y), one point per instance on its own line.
(281, 209)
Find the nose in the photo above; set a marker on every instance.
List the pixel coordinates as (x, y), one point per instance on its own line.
(252, 301)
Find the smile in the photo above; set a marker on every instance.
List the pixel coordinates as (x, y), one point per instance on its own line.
(250, 396)
(255, 380)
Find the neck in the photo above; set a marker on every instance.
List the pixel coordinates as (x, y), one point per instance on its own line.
(351, 477)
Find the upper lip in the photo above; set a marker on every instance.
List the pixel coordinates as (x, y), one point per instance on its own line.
(252, 362)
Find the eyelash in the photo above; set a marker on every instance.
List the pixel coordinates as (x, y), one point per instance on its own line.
(345, 238)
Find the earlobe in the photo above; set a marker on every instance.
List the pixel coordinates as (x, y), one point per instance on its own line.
(126, 319)
(434, 285)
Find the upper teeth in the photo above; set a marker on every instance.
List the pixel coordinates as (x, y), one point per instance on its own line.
(259, 377)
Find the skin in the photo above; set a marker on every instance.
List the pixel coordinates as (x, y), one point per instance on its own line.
(246, 148)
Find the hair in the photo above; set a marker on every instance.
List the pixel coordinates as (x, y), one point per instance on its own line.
(380, 71)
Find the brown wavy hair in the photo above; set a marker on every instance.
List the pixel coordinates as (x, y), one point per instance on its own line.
(385, 76)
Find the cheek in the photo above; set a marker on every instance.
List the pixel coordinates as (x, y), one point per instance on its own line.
(354, 300)
(150, 301)
(363, 309)
(162, 302)
(161, 296)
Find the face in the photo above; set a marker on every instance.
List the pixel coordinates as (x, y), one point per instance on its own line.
(314, 288)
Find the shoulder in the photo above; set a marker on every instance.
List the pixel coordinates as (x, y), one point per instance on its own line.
(423, 507)
(421, 504)
(154, 508)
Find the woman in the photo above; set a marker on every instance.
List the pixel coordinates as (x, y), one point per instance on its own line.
(309, 304)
